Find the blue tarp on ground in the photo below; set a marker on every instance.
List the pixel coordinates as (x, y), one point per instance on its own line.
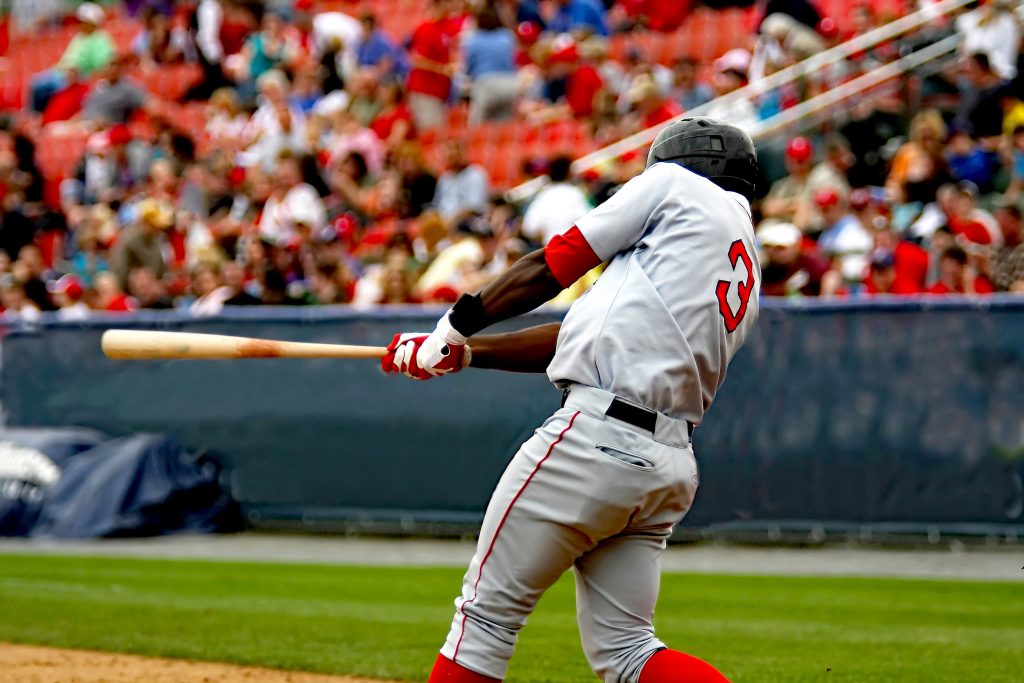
(80, 484)
(900, 415)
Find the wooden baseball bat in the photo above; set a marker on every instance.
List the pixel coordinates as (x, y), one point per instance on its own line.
(149, 344)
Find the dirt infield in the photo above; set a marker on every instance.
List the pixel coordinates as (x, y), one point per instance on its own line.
(31, 664)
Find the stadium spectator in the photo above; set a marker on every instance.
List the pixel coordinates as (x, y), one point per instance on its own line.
(650, 105)
(833, 171)
(147, 290)
(379, 51)
(294, 211)
(210, 294)
(89, 51)
(275, 126)
(143, 243)
(789, 270)
(882, 277)
(334, 37)
(115, 97)
(406, 189)
(969, 161)
(393, 123)
(981, 111)
(162, 40)
(911, 262)
(970, 223)
(845, 240)
(801, 10)
(782, 41)
(430, 78)
(791, 198)
(32, 274)
(579, 17)
(919, 167)
(663, 16)
(690, 92)
(463, 189)
(67, 293)
(273, 47)
(993, 30)
(233, 276)
(953, 274)
(730, 74)
(557, 207)
(1008, 266)
(872, 125)
(465, 255)
(489, 58)
(17, 306)
(108, 294)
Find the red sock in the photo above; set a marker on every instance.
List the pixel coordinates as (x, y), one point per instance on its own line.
(669, 666)
(447, 671)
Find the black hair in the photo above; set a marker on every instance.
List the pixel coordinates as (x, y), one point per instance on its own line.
(488, 20)
(955, 253)
(362, 169)
(982, 60)
(1012, 209)
(559, 169)
(312, 176)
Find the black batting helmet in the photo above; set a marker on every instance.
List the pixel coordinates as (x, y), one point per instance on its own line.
(722, 153)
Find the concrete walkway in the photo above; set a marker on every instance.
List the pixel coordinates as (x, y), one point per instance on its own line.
(984, 563)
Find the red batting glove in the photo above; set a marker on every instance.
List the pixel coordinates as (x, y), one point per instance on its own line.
(401, 355)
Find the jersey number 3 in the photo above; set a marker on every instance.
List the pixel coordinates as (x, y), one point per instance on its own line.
(737, 253)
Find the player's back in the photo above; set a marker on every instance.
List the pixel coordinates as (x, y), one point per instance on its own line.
(677, 299)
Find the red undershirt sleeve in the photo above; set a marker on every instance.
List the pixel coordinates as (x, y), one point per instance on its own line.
(569, 256)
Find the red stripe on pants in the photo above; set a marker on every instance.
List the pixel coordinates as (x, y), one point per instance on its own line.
(497, 531)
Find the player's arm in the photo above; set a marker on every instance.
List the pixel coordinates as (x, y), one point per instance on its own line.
(529, 350)
(530, 282)
(536, 278)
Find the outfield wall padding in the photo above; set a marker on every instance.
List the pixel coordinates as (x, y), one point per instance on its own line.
(895, 415)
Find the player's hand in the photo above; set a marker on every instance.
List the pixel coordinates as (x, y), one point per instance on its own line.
(421, 356)
(443, 351)
(401, 355)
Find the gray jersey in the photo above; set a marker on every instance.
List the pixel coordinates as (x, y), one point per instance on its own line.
(676, 301)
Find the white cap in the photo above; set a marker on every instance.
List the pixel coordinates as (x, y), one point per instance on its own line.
(331, 103)
(736, 59)
(778, 235)
(90, 13)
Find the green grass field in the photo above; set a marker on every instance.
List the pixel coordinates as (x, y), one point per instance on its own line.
(389, 622)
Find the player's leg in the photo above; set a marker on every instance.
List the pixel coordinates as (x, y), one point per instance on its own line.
(558, 498)
(617, 587)
(527, 541)
(617, 582)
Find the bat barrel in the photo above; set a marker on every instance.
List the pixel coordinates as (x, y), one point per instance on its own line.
(149, 344)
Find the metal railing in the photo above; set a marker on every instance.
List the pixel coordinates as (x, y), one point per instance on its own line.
(783, 77)
(829, 98)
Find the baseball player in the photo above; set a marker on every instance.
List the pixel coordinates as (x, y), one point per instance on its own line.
(600, 485)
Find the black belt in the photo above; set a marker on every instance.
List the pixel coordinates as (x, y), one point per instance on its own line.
(630, 413)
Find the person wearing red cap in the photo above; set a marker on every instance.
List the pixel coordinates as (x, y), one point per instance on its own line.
(845, 240)
(67, 293)
(791, 199)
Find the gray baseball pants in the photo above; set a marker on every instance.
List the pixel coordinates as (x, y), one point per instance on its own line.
(588, 492)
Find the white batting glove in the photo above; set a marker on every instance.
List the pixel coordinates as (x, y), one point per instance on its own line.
(443, 351)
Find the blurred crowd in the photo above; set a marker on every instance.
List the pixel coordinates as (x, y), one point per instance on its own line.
(309, 182)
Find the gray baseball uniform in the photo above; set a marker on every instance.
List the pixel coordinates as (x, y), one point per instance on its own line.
(603, 481)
